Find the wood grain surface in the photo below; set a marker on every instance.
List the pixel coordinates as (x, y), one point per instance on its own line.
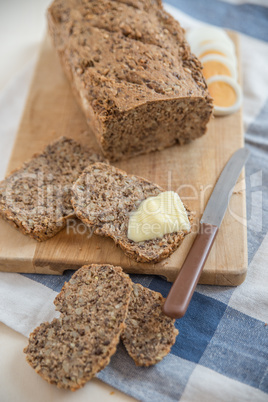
(192, 170)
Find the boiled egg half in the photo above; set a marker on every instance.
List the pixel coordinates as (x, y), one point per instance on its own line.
(226, 93)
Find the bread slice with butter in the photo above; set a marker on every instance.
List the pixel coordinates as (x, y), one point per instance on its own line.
(104, 197)
(149, 334)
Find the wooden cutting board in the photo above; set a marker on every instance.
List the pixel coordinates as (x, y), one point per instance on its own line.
(191, 170)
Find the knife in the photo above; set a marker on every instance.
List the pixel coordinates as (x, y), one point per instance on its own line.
(183, 288)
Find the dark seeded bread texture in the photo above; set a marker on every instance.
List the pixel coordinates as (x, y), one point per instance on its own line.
(97, 306)
(149, 334)
(132, 71)
(70, 350)
(103, 197)
(36, 197)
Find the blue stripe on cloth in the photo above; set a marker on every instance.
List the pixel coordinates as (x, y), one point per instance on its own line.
(198, 325)
(163, 382)
(246, 18)
(54, 282)
(239, 349)
(160, 285)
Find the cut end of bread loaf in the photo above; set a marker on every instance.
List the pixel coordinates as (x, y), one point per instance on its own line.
(36, 197)
(71, 349)
(132, 71)
(154, 126)
(104, 197)
(149, 334)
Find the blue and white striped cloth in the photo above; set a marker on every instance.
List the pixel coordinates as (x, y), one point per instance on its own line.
(221, 353)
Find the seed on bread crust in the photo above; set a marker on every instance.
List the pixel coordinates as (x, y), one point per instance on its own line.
(70, 350)
(36, 197)
(103, 198)
(149, 334)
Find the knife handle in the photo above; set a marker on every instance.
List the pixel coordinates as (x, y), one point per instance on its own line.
(183, 288)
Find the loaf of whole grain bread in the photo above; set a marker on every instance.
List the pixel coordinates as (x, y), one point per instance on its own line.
(104, 197)
(132, 72)
(35, 198)
(71, 349)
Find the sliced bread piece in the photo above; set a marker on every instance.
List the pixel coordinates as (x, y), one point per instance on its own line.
(36, 197)
(103, 198)
(149, 334)
(70, 350)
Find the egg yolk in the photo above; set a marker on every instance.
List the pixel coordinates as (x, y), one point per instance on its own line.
(215, 68)
(222, 93)
(211, 52)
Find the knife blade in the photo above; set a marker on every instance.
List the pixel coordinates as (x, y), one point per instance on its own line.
(183, 288)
